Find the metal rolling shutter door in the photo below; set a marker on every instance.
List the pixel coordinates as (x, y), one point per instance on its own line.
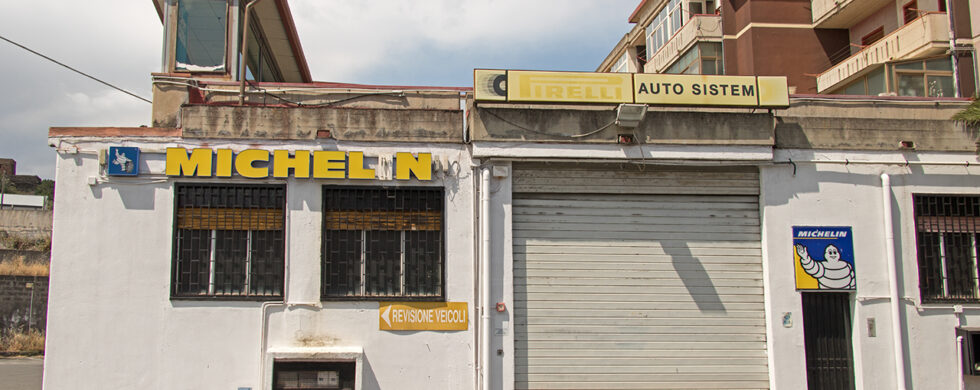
(638, 279)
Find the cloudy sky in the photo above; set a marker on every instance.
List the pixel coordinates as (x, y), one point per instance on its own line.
(418, 42)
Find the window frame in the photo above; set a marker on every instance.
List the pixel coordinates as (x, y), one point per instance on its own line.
(175, 293)
(443, 266)
(928, 270)
(217, 69)
(924, 73)
(873, 36)
(910, 12)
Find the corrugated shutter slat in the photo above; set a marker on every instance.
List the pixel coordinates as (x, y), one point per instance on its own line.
(638, 279)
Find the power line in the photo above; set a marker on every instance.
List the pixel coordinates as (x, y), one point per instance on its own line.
(76, 70)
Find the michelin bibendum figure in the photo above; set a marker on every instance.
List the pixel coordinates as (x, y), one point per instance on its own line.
(832, 273)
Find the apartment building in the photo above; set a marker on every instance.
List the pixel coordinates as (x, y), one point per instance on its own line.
(857, 47)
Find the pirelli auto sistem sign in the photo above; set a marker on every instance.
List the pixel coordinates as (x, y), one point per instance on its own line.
(642, 88)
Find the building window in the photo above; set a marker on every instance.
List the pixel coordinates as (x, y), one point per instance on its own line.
(201, 29)
(623, 65)
(871, 84)
(229, 241)
(910, 11)
(970, 351)
(946, 230)
(873, 36)
(704, 58)
(668, 21)
(382, 243)
(314, 375)
(932, 77)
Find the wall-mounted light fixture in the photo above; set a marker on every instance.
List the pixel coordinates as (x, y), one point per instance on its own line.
(630, 115)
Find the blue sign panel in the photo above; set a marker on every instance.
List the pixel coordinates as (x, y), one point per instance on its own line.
(824, 258)
(123, 161)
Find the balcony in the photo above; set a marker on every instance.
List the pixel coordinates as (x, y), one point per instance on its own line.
(925, 36)
(843, 13)
(698, 28)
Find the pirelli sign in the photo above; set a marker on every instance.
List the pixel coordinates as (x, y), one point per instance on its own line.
(642, 88)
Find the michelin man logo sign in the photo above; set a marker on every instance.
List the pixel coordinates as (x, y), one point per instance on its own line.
(123, 161)
(824, 258)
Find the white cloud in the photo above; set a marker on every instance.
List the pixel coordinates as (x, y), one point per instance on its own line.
(406, 42)
(352, 38)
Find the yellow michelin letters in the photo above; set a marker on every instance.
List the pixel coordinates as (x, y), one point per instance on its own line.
(197, 163)
(257, 164)
(406, 164)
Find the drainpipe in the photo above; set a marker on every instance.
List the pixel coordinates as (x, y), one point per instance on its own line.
(959, 358)
(952, 50)
(886, 199)
(485, 275)
(244, 59)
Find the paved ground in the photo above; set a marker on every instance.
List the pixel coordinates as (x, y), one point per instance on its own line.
(20, 373)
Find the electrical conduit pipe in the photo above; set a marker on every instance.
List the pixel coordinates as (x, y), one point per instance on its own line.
(485, 276)
(886, 201)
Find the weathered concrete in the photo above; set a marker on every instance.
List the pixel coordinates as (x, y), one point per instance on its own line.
(345, 124)
(570, 124)
(167, 99)
(26, 223)
(347, 98)
(874, 126)
(29, 257)
(807, 124)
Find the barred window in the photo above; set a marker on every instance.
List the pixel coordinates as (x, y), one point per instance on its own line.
(382, 243)
(946, 241)
(229, 241)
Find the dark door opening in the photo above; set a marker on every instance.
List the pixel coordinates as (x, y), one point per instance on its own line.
(827, 339)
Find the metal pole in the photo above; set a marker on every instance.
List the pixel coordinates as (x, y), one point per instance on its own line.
(3, 187)
(244, 59)
(30, 308)
(952, 50)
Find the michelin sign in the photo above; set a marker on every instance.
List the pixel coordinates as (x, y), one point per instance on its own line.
(824, 258)
(642, 88)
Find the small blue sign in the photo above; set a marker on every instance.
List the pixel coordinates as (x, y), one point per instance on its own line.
(123, 161)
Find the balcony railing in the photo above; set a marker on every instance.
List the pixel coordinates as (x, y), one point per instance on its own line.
(698, 28)
(920, 38)
(843, 13)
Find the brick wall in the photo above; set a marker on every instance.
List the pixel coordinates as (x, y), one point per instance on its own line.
(23, 302)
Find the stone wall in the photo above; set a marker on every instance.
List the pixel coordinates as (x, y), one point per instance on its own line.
(31, 224)
(23, 303)
(28, 257)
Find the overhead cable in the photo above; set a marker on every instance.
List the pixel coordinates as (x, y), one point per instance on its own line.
(76, 70)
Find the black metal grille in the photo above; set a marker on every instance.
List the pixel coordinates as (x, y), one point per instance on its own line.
(946, 230)
(827, 340)
(229, 241)
(382, 242)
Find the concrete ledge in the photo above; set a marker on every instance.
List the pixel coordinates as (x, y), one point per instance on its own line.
(596, 126)
(875, 124)
(345, 124)
(114, 132)
(873, 134)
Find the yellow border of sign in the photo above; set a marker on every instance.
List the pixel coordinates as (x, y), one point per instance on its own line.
(423, 316)
(591, 87)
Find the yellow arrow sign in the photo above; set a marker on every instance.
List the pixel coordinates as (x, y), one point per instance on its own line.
(423, 316)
